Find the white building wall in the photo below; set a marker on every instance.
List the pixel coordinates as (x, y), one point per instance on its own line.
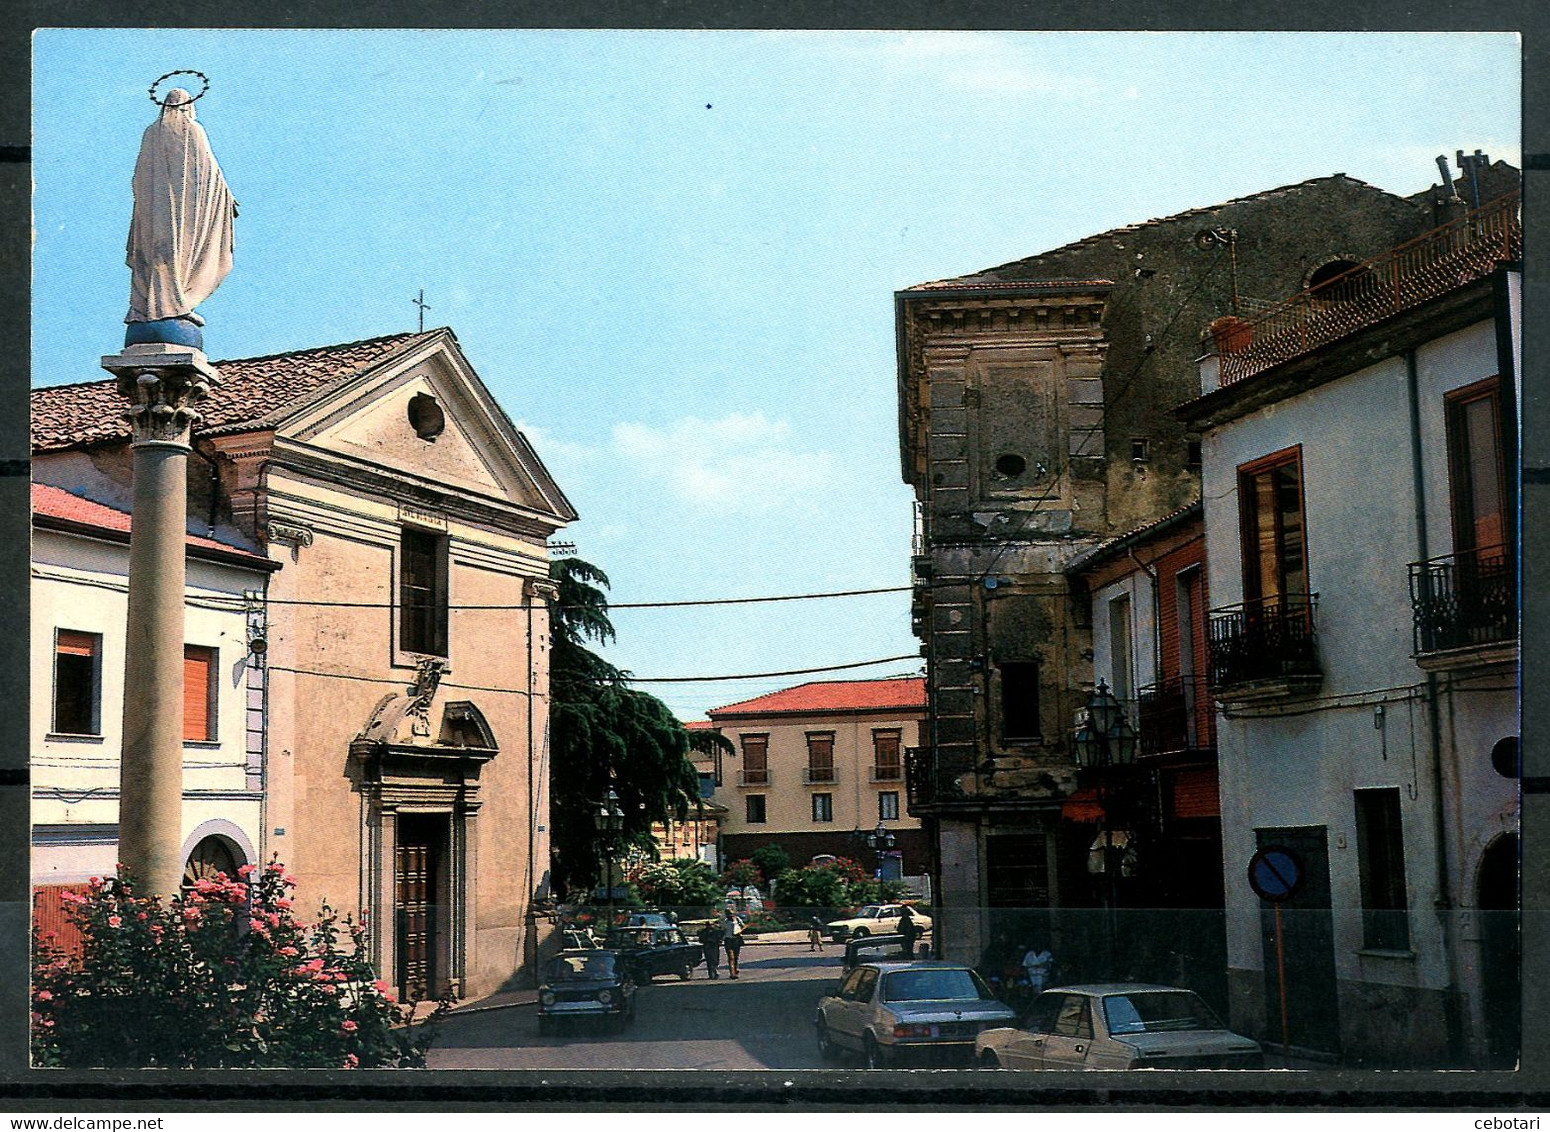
(79, 583)
(1138, 588)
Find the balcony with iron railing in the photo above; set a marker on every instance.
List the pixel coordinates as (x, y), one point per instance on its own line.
(1440, 261)
(1265, 649)
(887, 772)
(817, 775)
(1465, 607)
(753, 776)
(1176, 715)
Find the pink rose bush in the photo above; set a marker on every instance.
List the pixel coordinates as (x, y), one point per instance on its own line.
(223, 976)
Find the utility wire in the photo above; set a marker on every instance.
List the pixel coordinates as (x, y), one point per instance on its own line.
(612, 605)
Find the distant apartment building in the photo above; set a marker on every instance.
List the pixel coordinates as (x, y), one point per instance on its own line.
(819, 767)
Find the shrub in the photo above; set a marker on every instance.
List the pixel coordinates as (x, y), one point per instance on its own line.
(684, 882)
(834, 884)
(222, 977)
(741, 874)
(771, 860)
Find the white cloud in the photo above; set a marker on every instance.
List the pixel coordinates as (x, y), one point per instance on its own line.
(741, 463)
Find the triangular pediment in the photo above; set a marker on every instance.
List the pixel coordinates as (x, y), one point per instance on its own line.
(426, 415)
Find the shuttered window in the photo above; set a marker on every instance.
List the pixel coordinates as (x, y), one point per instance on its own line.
(77, 685)
(422, 593)
(198, 694)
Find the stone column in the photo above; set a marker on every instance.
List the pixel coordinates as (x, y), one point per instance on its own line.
(162, 383)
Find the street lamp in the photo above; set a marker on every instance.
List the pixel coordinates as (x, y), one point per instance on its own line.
(881, 839)
(609, 819)
(1106, 740)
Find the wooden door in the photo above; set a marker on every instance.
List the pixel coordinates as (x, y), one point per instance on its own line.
(416, 868)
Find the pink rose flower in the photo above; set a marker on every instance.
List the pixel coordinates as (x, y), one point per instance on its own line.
(289, 952)
(245, 871)
(329, 989)
(115, 921)
(348, 1026)
(350, 1060)
(45, 996)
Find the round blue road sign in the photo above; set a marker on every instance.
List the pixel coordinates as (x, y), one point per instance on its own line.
(1275, 872)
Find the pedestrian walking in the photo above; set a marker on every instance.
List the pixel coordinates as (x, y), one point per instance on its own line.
(815, 934)
(710, 944)
(732, 938)
(910, 930)
(1038, 960)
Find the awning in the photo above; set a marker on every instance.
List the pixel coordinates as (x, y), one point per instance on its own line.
(1082, 806)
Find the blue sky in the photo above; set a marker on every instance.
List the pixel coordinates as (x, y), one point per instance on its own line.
(672, 255)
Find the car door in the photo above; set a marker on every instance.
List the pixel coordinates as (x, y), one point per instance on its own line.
(839, 1013)
(1067, 1047)
(856, 1007)
(1026, 1049)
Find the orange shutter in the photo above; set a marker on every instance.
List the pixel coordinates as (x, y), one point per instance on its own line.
(197, 663)
(75, 644)
(1195, 793)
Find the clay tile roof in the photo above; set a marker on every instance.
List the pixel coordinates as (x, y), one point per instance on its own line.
(699, 725)
(1017, 270)
(255, 392)
(55, 503)
(1132, 538)
(901, 693)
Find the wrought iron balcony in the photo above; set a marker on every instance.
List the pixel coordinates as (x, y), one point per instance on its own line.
(1463, 601)
(1176, 715)
(817, 775)
(918, 789)
(757, 776)
(1265, 647)
(889, 773)
(1443, 259)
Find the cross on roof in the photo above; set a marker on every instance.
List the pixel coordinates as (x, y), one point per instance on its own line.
(420, 302)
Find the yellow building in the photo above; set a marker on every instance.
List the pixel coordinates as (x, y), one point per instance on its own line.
(406, 673)
(820, 766)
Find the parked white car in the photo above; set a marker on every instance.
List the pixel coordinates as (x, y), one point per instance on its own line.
(1117, 1026)
(874, 919)
(920, 1013)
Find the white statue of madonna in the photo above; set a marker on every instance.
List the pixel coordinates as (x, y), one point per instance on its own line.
(180, 237)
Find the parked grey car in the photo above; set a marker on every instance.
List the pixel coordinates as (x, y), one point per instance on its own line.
(1117, 1026)
(920, 1013)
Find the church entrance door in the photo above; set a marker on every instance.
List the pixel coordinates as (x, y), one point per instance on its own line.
(419, 889)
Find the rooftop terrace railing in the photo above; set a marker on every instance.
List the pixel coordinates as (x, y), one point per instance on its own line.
(1429, 266)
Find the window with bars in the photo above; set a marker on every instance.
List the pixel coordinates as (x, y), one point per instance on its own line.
(422, 593)
(77, 683)
(823, 807)
(888, 806)
(199, 694)
(1380, 848)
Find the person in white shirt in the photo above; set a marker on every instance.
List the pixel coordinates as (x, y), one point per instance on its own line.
(1037, 961)
(732, 938)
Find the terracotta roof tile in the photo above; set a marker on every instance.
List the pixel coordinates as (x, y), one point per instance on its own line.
(1133, 537)
(904, 693)
(50, 502)
(255, 391)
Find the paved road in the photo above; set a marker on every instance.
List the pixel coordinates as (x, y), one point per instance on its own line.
(764, 1020)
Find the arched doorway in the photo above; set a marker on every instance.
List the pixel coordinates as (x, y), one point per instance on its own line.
(1501, 987)
(212, 856)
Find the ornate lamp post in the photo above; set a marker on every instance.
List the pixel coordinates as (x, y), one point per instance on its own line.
(609, 820)
(1106, 740)
(881, 840)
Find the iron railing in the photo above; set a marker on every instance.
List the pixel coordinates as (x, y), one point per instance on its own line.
(917, 778)
(890, 772)
(1176, 715)
(1464, 600)
(817, 774)
(1431, 265)
(1269, 639)
(758, 776)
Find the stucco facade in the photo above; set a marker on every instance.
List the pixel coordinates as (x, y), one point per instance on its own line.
(408, 623)
(1402, 953)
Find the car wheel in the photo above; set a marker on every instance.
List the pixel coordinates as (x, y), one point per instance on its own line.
(873, 1054)
(826, 1047)
(685, 972)
(860, 933)
(989, 1060)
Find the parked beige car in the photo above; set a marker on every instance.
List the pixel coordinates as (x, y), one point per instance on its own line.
(1117, 1026)
(874, 919)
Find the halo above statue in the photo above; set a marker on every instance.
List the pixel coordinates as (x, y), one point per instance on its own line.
(163, 102)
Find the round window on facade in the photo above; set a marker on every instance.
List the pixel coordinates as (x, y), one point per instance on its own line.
(1505, 759)
(426, 417)
(1011, 464)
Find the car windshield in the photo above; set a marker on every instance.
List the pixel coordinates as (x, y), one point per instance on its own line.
(934, 985)
(572, 967)
(870, 912)
(1150, 1012)
(629, 937)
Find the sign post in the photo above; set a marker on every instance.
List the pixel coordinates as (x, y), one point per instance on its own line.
(1275, 874)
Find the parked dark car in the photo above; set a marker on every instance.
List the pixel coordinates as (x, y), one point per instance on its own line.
(908, 1013)
(873, 949)
(653, 951)
(587, 983)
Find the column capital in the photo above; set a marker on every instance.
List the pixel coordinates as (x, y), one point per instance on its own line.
(162, 383)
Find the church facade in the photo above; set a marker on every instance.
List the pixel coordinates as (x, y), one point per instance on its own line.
(404, 674)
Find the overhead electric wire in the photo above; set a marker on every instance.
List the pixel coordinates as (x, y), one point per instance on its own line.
(611, 606)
